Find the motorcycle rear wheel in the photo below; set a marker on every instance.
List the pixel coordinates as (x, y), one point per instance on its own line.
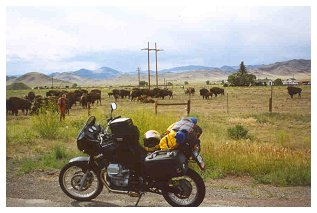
(189, 183)
(70, 177)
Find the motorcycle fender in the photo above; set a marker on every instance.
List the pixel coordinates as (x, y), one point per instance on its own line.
(80, 158)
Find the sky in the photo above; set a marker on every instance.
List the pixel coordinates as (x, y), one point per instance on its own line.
(58, 39)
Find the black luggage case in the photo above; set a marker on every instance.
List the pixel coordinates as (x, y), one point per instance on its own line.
(126, 136)
(165, 164)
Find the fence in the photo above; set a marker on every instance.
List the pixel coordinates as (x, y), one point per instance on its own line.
(173, 104)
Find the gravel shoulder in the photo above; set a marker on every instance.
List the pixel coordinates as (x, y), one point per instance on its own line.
(42, 189)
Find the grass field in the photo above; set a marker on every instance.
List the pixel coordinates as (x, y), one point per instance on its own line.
(275, 150)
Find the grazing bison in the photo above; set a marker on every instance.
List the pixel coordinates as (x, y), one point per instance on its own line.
(30, 96)
(190, 91)
(70, 101)
(294, 90)
(139, 92)
(56, 93)
(79, 93)
(96, 90)
(110, 94)
(84, 99)
(42, 104)
(164, 92)
(14, 104)
(95, 96)
(124, 93)
(145, 99)
(136, 93)
(204, 92)
(217, 90)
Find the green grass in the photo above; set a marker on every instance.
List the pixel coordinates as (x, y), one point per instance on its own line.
(55, 159)
(237, 132)
(276, 149)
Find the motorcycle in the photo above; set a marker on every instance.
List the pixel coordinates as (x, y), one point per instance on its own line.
(118, 162)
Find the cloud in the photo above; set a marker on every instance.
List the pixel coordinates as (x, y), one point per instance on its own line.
(56, 38)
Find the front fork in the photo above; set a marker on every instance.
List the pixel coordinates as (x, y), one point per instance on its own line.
(91, 164)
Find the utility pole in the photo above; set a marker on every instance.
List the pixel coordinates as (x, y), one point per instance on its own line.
(138, 76)
(148, 62)
(156, 50)
(52, 82)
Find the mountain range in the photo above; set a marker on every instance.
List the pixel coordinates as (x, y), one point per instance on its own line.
(298, 68)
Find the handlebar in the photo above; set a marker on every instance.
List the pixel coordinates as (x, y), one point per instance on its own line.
(111, 119)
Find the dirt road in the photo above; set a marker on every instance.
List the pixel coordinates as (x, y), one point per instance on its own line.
(42, 189)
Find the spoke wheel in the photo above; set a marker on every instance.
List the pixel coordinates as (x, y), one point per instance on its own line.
(74, 185)
(191, 190)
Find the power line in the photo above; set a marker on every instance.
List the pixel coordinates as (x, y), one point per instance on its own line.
(148, 58)
(139, 75)
(157, 50)
(148, 62)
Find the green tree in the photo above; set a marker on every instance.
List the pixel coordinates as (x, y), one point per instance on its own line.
(74, 85)
(241, 78)
(243, 69)
(207, 82)
(186, 82)
(278, 82)
(143, 83)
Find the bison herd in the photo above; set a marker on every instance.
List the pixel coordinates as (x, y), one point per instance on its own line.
(142, 95)
(35, 103)
(205, 93)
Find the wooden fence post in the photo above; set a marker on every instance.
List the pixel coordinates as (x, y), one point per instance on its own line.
(270, 100)
(188, 107)
(155, 107)
(88, 108)
(227, 102)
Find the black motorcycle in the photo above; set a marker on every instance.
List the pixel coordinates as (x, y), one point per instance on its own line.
(117, 161)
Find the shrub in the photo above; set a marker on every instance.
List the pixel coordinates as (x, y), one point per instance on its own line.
(47, 125)
(237, 132)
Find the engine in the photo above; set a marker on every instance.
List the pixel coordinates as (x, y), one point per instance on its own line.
(118, 175)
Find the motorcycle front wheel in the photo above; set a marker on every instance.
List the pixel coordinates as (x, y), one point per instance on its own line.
(80, 183)
(191, 189)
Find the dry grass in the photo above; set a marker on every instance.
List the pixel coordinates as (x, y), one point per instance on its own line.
(277, 150)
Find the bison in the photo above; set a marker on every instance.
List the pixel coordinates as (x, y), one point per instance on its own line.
(204, 92)
(96, 90)
(190, 91)
(84, 100)
(30, 96)
(124, 93)
(139, 92)
(217, 90)
(294, 90)
(94, 96)
(14, 104)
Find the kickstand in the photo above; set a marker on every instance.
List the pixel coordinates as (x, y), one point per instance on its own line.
(140, 195)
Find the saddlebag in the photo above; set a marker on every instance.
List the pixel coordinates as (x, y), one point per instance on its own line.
(165, 164)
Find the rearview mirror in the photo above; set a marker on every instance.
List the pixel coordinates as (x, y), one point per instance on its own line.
(113, 106)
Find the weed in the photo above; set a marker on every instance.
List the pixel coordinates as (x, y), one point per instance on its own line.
(47, 125)
(238, 132)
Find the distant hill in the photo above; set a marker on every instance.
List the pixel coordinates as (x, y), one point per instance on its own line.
(18, 86)
(297, 68)
(10, 77)
(188, 68)
(79, 75)
(32, 79)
